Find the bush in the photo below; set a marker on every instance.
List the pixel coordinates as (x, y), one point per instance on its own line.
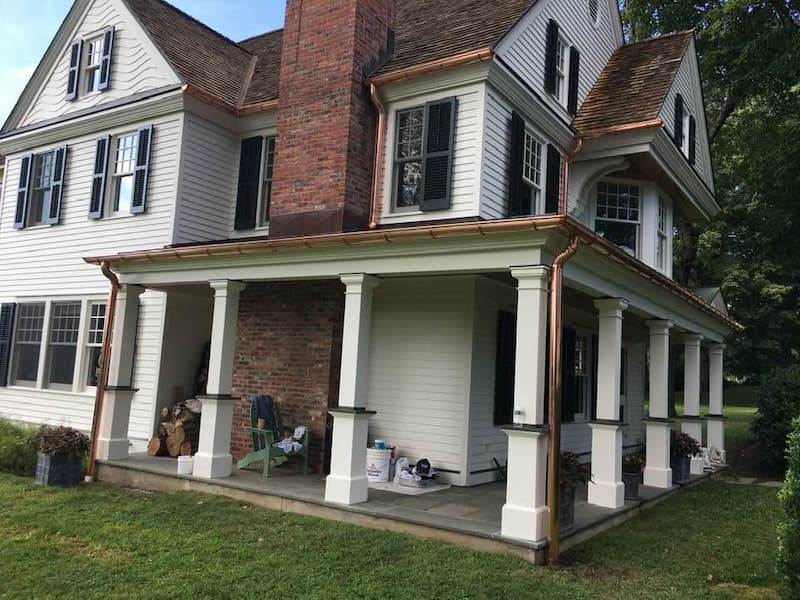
(778, 401)
(17, 449)
(789, 529)
(62, 441)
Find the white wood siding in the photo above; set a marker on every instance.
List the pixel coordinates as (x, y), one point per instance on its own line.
(419, 369)
(687, 84)
(136, 67)
(47, 260)
(485, 440)
(524, 48)
(496, 157)
(467, 156)
(207, 191)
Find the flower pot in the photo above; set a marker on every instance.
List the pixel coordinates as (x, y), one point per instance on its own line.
(566, 510)
(631, 481)
(681, 469)
(57, 469)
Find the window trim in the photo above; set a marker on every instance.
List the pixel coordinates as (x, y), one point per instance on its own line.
(33, 188)
(262, 219)
(685, 127)
(582, 333)
(113, 178)
(13, 381)
(639, 224)
(538, 207)
(562, 74)
(89, 70)
(49, 344)
(398, 162)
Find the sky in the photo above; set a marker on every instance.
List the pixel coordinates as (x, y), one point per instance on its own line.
(25, 33)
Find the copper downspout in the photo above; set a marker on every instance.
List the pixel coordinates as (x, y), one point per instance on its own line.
(554, 399)
(105, 361)
(377, 170)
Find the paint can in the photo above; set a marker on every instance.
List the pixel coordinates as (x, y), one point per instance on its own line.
(185, 465)
(378, 464)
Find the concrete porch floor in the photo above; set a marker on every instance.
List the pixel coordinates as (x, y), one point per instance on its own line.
(464, 516)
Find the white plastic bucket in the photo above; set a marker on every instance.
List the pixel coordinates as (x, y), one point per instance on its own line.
(378, 464)
(185, 465)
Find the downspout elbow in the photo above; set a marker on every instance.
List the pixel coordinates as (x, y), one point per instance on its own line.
(375, 207)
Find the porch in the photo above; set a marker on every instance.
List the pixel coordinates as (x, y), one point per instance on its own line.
(466, 516)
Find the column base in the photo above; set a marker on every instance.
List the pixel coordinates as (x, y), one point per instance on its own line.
(658, 477)
(524, 523)
(606, 488)
(716, 436)
(696, 465)
(112, 449)
(693, 426)
(346, 490)
(608, 495)
(525, 513)
(210, 466)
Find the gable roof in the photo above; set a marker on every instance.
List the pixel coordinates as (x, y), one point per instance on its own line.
(429, 30)
(645, 71)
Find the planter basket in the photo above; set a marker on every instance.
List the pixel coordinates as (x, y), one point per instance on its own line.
(566, 511)
(59, 470)
(681, 470)
(631, 481)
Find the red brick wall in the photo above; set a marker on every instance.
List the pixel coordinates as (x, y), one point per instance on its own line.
(288, 345)
(326, 123)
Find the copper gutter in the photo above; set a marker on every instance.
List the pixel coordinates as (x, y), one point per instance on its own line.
(237, 111)
(565, 225)
(377, 170)
(628, 128)
(466, 58)
(105, 361)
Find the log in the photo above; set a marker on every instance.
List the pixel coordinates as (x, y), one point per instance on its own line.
(186, 449)
(173, 446)
(156, 447)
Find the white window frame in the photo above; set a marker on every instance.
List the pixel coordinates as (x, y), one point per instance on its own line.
(266, 176)
(687, 117)
(529, 168)
(397, 163)
(50, 344)
(586, 405)
(113, 178)
(79, 379)
(662, 239)
(36, 188)
(88, 341)
(12, 371)
(92, 70)
(594, 6)
(562, 69)
(638, 223)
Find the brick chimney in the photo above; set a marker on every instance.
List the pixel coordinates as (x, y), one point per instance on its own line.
(326, 122)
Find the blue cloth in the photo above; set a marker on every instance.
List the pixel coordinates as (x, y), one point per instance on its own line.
(264, 408)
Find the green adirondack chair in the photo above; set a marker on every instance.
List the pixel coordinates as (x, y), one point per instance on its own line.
(263, 407)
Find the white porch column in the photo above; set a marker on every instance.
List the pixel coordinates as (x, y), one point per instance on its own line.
(112, 433)
(691, 422)
(213, 458)
(716, 422)
(347, 482)
(524, 514)
(657, 471)
(606, 489)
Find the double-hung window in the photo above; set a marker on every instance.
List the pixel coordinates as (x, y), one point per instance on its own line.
(127, 146)
(90, 64)
(661, 235)
(27, 343)
(267, 169)
(617, 216)
(254, 189)
(532, 170)
(423, 156)
(43, 167)
(94, 57)
(63, 343)
(94, 342)
(583, 381)
(561, 69)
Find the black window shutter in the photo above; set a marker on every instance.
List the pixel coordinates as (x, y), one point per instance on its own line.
(25, 169)
(692, 140)
(553, 180)
(99, 178)
(6, 330)
(595, 365)
(569, 388)
(504, 368)
(550, 57)
(142, 171)
(574, 78)
(437, 162)
(105, 60)
(249, 179)
(516, 187)
(53, 216)
(678, 125)
(73, 77)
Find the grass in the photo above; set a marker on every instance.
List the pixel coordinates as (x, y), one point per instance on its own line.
(714, 541)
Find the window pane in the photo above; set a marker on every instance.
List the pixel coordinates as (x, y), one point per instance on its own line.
(64, 325)
(124, 194)
(409, 180)
(126, 153)
(93, 369)
(97, 320)
(409, 133)
(26, 362)
(30, 320)
(622, 234)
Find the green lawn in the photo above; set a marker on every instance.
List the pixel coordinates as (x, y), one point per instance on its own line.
(715, 541)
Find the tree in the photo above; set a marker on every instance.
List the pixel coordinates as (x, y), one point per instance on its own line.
(750, 66)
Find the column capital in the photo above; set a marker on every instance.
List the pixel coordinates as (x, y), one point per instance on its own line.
(611, 307)
(716, 348)
(692, 339)
(357, 282)
(529, 277)
(226, 287)
(130, 289)
(660, 326)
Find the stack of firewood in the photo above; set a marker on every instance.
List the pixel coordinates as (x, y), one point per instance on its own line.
(179, 432)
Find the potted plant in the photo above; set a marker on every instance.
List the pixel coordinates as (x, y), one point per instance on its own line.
(632, 465)
(61, 453)
(572, 474)
(681, 450)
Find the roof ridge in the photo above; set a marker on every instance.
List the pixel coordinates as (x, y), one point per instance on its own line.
(248, 79)
(655, 38)
(258, 35)
(204, 26)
